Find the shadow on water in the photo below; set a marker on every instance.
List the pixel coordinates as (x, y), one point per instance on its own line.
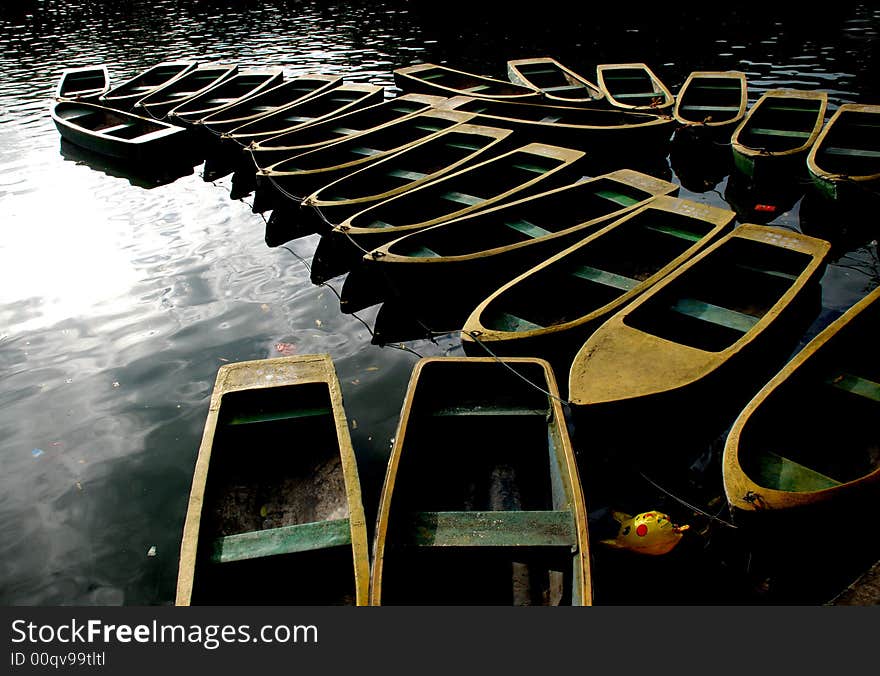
(140, 175)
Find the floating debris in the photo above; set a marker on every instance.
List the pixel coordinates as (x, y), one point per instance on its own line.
(285, 348)
(37, 452)
(151, 551)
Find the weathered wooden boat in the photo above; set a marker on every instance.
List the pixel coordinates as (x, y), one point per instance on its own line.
(711, 102)
(346, 97)
(267, 152)
(116, 133)
(493, 181)
(85, 83)
(192, 84)
(777, 133)
(275, 513)
(550, 309)
(466, 259)
(709, 329)
(776, 467)
(430, 78)
(287, 93)
(594, 130)
(123, 96)
(556, 82)
(633, 86)
(298, 176)
(503, 526)
(845, 159)
(234, 89)
(415, 165)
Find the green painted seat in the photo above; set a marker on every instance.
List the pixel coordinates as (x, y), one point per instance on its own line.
(491, 529)
(272, 416)
(715, 314)
(762, 131)
(617, 197)
(851, 152)
(526, 228)
(676, 232)
(489, 410)
(462, 198)
(510, 322)
(304, 537)
(784, 474)
(855, 385)
(606, 278)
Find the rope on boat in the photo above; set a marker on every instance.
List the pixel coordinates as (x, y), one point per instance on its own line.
(713, 517)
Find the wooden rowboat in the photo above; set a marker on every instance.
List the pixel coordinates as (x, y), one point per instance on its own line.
(552, 308)
(777, 133)
(85, 83)
(468, 258)
(701, 332)
(492, 181)
(239, 87)
(287, 93)
(300, 175)
(556, 82)
(113, 132)
(429, 78)
(776, 467)
(192, 84)
(327, 130)
(503, 523)
(633, 86)
(342, 99)
(123, 96)
(275, 513)
(712, 101)
(845, 159)
(594, 130)
(414, 165)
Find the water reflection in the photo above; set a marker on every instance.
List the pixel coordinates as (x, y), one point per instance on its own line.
(118, 304)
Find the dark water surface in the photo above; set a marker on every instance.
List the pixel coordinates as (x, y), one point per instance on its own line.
(119, 301)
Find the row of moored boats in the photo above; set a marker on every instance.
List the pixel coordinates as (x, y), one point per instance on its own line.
(468, 201)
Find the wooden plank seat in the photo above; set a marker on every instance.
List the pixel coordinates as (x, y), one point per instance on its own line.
(851, 152)
(676, 232)
(550, 528)
(715, 314)
(636, 95)
(564, 88)
(855, 385)
(408, 175)
(527, 228)
(302, 537)
(115, 128)
(273, 416)
(720, 109)
(496, 410)
(462, 198)
(786, 474)
(510, 322)
(762, 131)
(604, 277)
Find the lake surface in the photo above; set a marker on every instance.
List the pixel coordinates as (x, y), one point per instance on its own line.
(120, 300)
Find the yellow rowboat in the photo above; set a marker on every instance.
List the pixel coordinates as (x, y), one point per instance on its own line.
(633, 86)
(336, 127)
(845, 159)
(239, 87)
(287, 93)
(805, 449)
(461, 261)
(708, 331)
(552, 308)
(342, 99)
(126, 94)
(712, 101)
(479, 186)
(300, 175)
(482, 502)
(429, 78)
(597, 131)
(775, 136)
(195, 82)
(275, 513)
(556, 82)
(414, 165)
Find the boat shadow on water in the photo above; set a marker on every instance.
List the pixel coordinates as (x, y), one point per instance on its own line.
(762, 201)
(139, 174)
(699, 163)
